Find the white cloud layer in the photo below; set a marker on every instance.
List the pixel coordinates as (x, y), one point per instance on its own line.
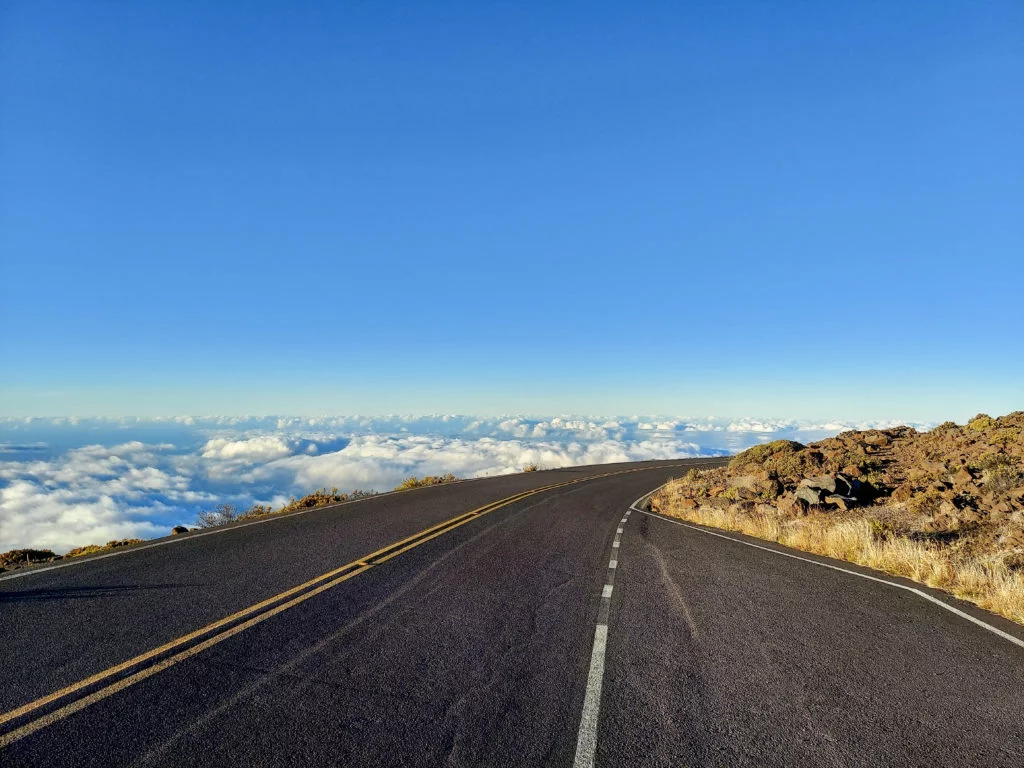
(70, 482)
(251, 449)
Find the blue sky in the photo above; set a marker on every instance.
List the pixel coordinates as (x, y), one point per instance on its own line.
(794, 209)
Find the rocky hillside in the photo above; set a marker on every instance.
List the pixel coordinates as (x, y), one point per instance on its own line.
(943, 483)
(956, 494)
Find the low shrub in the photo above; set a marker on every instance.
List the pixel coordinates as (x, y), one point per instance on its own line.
(779, 458)
(92, 549)
(19, 557)
(981, 422)
(994, 459)
(228, 513)
(425, 481)
(926, 503)
(222, 514)
(1003, 478)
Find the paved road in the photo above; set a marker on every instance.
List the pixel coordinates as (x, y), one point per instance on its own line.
(473, 646)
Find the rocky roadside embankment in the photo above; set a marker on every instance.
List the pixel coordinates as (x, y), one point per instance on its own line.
(944, 507)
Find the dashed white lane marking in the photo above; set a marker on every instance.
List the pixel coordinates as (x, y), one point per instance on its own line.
(586, 739)
(918, 592)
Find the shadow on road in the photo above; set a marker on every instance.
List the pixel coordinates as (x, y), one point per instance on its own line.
(79, 593)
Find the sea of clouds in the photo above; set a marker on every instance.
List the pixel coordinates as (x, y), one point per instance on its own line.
(66, 482)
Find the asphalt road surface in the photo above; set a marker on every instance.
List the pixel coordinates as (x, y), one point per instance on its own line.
(439, 627)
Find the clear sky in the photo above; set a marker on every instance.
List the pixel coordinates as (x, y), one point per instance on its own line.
(795, 209)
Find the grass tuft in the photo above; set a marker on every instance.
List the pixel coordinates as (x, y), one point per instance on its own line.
(16, 558)
(228, 513)
(425, 481)
(92, 549)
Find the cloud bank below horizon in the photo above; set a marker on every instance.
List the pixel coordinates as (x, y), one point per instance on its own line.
(70, 482)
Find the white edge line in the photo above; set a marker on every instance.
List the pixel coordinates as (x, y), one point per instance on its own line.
(918, 592)
(586, 740)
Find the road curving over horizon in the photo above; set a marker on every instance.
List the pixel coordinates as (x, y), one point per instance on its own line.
(461, 624)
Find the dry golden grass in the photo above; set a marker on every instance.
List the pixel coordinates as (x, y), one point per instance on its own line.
(984, 580)
(228, 513)
(425, 481)
(17, 558)
(92, 549)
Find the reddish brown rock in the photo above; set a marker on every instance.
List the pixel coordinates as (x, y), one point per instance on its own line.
(843, 502)
(1012, 539)
(969, 515)
(963, 477)
(749, 482)
(941, 523)
(903, 493)
(792, 506)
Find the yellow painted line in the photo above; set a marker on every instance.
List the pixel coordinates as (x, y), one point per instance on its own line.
(110, 690)
(361, 564)
(334, 577)
(99, 676)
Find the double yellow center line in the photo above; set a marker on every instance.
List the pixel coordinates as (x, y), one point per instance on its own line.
(108, 682)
